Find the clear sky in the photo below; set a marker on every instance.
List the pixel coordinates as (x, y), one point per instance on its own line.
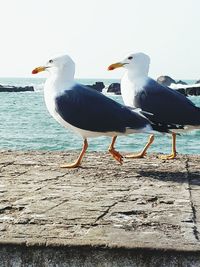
(97, 33)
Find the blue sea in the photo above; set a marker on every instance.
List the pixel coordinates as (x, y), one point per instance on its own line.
(27, 125)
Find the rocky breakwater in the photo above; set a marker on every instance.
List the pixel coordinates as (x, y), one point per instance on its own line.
(8, 88)
(114, 88)
(98, 86)
(182, 87)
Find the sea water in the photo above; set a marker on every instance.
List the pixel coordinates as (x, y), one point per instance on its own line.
(26, 125)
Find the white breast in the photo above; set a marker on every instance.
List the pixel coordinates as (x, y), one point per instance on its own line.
(49, 98)
(127, 91)
(130, 88)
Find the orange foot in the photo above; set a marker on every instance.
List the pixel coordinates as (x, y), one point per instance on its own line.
(71, 165)
(116, 155)
(172, 156)
(136, 156)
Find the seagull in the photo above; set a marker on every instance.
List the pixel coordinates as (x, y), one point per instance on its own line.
(164, 106)
(84, 110)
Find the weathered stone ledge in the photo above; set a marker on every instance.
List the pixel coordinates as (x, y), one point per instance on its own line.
(143, 205)
(187, 90)
(17, 89)
(93, 257)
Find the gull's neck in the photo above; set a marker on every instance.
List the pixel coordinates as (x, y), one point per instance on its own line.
(131, 85)
(59, 81)
(138, 79)
(138, 73)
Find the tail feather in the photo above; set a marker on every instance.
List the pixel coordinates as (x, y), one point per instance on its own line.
(169, 127)
(160, 128)
(165, 128)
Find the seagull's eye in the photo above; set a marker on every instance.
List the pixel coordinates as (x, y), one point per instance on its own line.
(130, 58)
(50, 61)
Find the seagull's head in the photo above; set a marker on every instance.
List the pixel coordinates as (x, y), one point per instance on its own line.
(57, 65)
(137, 63)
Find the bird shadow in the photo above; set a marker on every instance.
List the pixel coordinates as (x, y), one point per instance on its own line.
(193, 177)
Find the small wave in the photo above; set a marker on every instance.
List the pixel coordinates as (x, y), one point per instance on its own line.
(38, 87)
(179, 85)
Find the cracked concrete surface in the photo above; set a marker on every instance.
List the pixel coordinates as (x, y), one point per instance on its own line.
(146, 203)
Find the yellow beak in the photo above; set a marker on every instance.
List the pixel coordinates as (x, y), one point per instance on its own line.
(115, 66)
(38, 69)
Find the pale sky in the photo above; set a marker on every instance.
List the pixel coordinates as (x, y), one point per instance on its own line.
(96, 33)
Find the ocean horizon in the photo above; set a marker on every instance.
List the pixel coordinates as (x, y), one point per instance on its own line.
(38, 83)
(27, 125)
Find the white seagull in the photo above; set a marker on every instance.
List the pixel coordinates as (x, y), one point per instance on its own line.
(164, 106)
(84, 110)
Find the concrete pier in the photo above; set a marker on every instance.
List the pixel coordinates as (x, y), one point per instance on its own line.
(143, 213)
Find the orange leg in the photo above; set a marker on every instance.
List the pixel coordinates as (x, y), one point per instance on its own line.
(143, 152)
(116, 155)
(174, 153)
(77, 163)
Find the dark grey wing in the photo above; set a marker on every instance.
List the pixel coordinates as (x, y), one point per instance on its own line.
(167, 105)
(87, 109)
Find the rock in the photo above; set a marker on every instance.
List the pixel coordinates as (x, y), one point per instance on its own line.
(193, 91)
(198, 81)
(8, 88)
(165, 80)
(97, 86)
(114, 88)
(182, 91)
(181, 82)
